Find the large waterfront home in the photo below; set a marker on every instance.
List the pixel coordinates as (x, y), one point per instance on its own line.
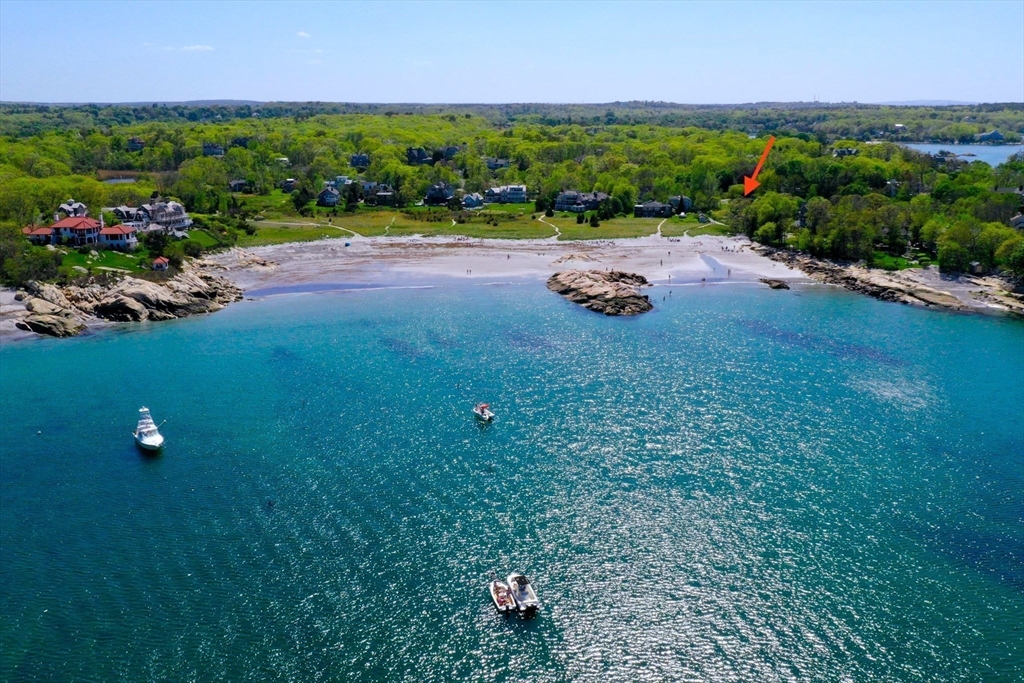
(80, 231)
(158, 214)
(506, 194)
(653, 209)
(578, 202)
(472, 201)
(439, 194)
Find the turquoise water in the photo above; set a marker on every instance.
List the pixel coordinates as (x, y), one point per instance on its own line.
(993, 155)
(742, 485)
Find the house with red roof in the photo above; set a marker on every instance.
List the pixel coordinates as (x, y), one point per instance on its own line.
(161, 263)
(38, 234)
(122, 237)
(77, 230)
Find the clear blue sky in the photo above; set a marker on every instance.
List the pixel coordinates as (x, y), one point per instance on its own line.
(690, 52)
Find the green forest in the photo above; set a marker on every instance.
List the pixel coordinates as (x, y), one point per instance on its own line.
(836, 183)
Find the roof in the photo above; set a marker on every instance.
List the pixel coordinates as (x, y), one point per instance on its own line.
(117, 230)
(161, 259)
(76, 223)
(37, 230)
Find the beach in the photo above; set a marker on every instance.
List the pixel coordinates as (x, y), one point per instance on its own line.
(388, 260)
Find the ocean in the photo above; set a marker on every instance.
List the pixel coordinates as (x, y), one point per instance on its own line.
(743, 484)
(993, 155)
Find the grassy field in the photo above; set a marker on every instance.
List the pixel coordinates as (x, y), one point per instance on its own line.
(204, 238)
(106, 259)
(887, 262)
(497, 221)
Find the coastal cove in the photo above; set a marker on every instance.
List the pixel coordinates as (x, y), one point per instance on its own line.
(760, 484)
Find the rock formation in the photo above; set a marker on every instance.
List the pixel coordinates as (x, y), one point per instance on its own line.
(609, 292)
(64, 312)
(775, 284)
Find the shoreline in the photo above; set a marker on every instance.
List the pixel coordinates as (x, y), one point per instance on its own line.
(423, 262)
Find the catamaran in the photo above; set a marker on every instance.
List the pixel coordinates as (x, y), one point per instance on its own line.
(146, 433)
(523, 593)
(483, 411)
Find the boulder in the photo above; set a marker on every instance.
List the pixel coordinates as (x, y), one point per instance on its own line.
(47, 292)
(609, 292)
(44, 307)
(775, 284)
(53, 325)
(80, 269)
(122, 309)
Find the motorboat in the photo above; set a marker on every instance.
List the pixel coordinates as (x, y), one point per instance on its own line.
(146, 433)
(483, 411)
(502, 596)
(523, 593)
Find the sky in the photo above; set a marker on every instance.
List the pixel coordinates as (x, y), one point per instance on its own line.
(494, 52)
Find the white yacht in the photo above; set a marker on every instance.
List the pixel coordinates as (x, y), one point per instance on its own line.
(523, 593)
(483, 411)
(146, 433)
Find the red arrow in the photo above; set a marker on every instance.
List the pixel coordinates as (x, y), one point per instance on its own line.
(750, 182)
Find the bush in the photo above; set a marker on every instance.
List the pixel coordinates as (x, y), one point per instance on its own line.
(594, 222)
(579, 219)
(549, 213)
(33, 263)
(192, 248)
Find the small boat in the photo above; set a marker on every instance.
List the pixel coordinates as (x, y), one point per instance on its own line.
(523, 593)
(483, 411)
(146, 434)
(502, 596)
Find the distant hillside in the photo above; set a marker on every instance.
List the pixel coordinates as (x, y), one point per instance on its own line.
(825, 121)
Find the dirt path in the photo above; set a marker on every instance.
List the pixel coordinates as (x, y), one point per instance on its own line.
(558, 233)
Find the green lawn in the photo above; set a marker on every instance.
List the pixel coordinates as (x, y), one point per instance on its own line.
(609, 229)
(106, 259)
(888, 262)
(205, 239)
(272, 234)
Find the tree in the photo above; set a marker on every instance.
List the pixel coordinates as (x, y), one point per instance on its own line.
(953, 256)
(1011, 255)
(594, 222)
(540, 205)
(579, 219)
(302, 196)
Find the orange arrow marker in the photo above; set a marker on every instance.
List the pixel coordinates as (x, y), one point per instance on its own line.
(750, 182)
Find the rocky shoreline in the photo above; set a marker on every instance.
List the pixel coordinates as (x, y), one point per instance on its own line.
(612, 292)
(69, 310)
(961, 293)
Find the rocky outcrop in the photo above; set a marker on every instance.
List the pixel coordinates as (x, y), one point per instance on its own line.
(775, 284)
(59, 312)
(874, 283)
(610, 292)
(50, 324)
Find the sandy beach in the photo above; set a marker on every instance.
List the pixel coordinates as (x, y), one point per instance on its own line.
(393, 260)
